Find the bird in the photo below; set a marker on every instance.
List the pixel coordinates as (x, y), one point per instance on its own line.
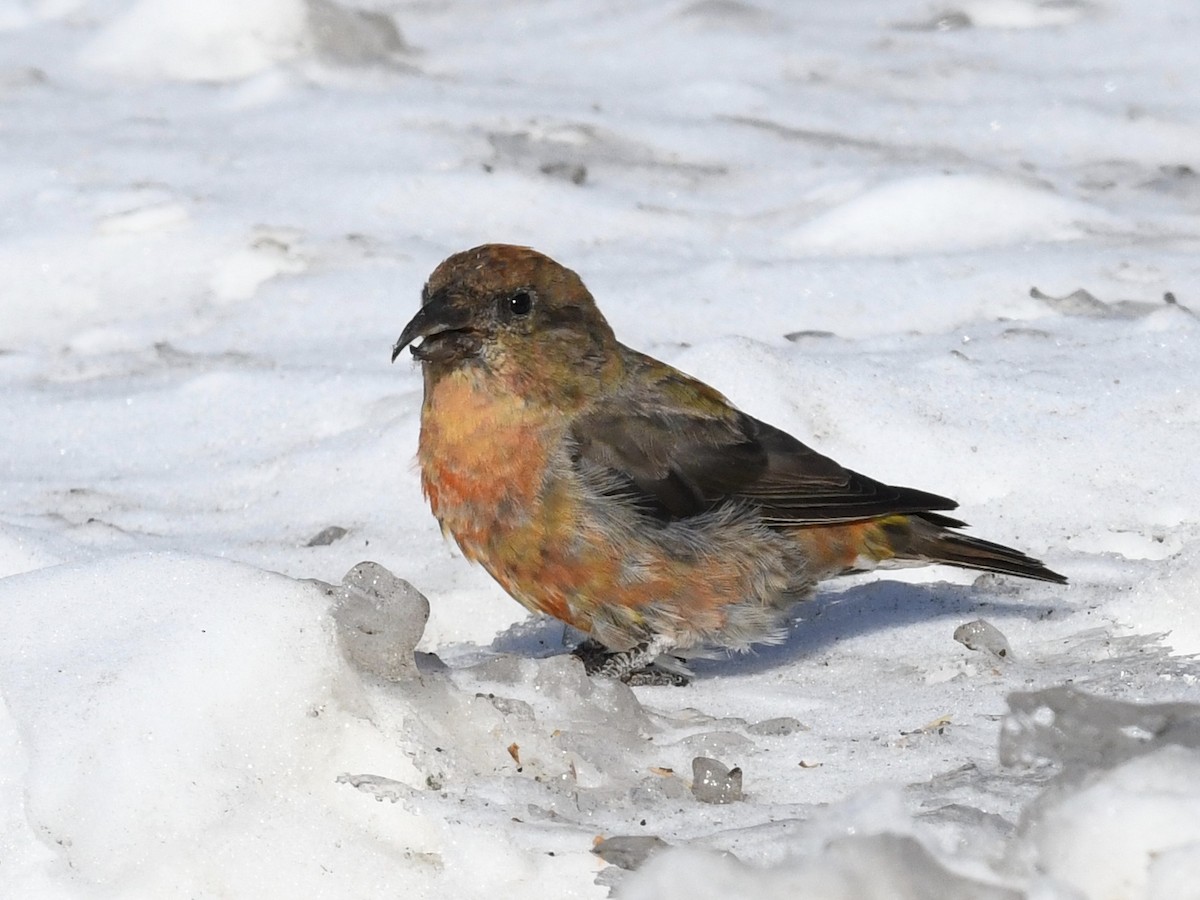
(629, 500)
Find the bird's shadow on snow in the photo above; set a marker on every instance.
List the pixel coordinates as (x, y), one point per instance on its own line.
(879, 606)
(816, 625)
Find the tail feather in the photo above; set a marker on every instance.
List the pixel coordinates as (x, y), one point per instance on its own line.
(929, 539)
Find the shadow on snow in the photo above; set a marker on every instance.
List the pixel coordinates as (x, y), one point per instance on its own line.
(816, 625)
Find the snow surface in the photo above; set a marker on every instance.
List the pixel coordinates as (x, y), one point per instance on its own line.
(217, 217)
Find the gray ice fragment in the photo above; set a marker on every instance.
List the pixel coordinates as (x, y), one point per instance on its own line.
(353, 37)
(327, 536)
(380, 618)
(1065, 725)
(983, 635)
(712, 782)
(629, 851)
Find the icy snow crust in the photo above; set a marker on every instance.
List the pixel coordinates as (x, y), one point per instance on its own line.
(216, 219)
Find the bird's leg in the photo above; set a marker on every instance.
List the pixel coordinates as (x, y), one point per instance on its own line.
(624, 662)
(634, 666)
(592, 654)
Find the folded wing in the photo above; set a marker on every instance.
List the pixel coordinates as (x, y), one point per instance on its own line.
(677, 459)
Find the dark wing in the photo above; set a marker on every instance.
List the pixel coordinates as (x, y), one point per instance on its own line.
(674, 462)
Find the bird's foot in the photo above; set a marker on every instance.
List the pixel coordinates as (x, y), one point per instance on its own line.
(635, 666)
(655, 676)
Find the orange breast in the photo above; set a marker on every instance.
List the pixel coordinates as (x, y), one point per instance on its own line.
(486, 466)
(482, 456)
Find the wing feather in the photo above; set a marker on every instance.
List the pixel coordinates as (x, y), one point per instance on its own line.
(676, 448)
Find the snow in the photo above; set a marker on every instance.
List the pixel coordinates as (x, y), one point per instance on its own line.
(947, 212)
(936, 241)
(215, 41)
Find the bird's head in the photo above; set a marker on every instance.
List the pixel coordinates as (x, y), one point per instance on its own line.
(513, 311)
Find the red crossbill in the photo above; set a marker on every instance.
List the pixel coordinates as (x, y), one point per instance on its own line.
(629, 500)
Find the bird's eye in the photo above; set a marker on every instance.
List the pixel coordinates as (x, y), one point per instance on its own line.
(520, 303)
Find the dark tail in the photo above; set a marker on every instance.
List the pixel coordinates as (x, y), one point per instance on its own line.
(930, 537)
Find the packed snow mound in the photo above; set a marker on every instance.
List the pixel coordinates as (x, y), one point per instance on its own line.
(214, 41)
(950, 212)
(160, 703)
(225, 40)
(156, 703)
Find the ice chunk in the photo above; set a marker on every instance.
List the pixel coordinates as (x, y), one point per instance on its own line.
(380, 618)
(983, 635)
(629, 851)
(352, 37)
(327, 536)
(713, 782)
(1065, 725)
